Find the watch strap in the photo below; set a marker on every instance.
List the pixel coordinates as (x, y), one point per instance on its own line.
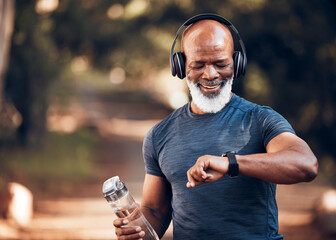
(233, 164)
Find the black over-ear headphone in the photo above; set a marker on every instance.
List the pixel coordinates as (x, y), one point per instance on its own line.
(177, 60)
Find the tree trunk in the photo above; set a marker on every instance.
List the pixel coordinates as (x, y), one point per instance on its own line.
(6, 30)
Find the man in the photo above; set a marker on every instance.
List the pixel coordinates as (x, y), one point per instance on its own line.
(187, 178)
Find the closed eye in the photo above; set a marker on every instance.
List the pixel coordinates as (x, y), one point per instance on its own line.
(222, 66)
(197, 66)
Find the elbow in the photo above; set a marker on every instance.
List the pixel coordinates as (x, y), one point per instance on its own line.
(311, 169)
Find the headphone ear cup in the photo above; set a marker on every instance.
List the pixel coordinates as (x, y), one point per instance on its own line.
(244, 63)
(237, 64)
(172, 66)
(179, 64)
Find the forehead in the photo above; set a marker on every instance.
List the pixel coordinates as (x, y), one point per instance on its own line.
(208, 51)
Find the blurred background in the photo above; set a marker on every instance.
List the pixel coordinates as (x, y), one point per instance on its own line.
(82, 81)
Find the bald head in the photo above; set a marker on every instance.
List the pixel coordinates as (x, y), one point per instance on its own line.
(206, 33)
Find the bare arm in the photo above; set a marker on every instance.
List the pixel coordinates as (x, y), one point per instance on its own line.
(288, 159)
(156, 203)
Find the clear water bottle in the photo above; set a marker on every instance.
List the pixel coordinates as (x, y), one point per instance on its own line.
(124, 206)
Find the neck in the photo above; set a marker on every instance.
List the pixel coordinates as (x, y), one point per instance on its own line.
(195, 109)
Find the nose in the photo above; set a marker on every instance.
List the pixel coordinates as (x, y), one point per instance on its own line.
(210, 73)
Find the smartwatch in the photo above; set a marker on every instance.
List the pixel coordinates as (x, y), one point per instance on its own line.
(233, 164)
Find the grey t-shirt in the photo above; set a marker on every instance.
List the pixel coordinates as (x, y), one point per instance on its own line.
(230, 208)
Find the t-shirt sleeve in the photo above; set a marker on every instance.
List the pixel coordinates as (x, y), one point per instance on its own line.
(150, 156)
(272, 124)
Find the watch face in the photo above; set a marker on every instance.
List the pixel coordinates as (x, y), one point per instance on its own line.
(226, 153)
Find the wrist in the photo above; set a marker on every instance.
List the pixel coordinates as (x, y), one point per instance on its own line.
(233, 168)
(219, 164)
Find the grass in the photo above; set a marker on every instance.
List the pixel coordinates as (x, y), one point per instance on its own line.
(61, 161)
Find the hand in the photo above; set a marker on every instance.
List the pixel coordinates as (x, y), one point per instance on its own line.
(127, 233)
(207, 168)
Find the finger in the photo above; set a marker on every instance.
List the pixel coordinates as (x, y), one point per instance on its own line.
(196, 179)
(120, 222)
(127, 231)
(200, 168)
(133, 236)
(191, 181)
(202, 171)
(197, 173)
(213, 176)
(197, 176)
(203, 174)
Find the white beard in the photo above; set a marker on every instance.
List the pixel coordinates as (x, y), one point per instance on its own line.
(211, 104)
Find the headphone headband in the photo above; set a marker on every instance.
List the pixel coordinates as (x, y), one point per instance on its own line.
(217, 18)
(210, 16)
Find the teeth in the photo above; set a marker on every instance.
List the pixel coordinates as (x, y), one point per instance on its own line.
(210, 86)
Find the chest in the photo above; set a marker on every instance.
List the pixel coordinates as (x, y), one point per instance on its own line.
(186, 142)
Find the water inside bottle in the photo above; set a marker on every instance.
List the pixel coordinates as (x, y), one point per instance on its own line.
(125, 211)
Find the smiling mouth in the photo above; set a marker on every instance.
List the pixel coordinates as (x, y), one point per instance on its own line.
(212, 86)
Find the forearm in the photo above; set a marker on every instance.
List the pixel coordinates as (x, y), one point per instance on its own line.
(159, 220)
(156, 204)
(284, 167)
(288, 159)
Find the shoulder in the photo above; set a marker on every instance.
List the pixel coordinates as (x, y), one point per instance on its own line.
(242, 105)
(269, 122)
(246, 106)
(168, 122)
(263, 116)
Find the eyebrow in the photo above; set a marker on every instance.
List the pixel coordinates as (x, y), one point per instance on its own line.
(218, 61)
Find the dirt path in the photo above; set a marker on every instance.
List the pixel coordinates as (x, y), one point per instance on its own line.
(87, 215)
(80, 218)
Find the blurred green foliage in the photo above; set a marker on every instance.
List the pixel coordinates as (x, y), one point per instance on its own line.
(291, 50)
(61, 160)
